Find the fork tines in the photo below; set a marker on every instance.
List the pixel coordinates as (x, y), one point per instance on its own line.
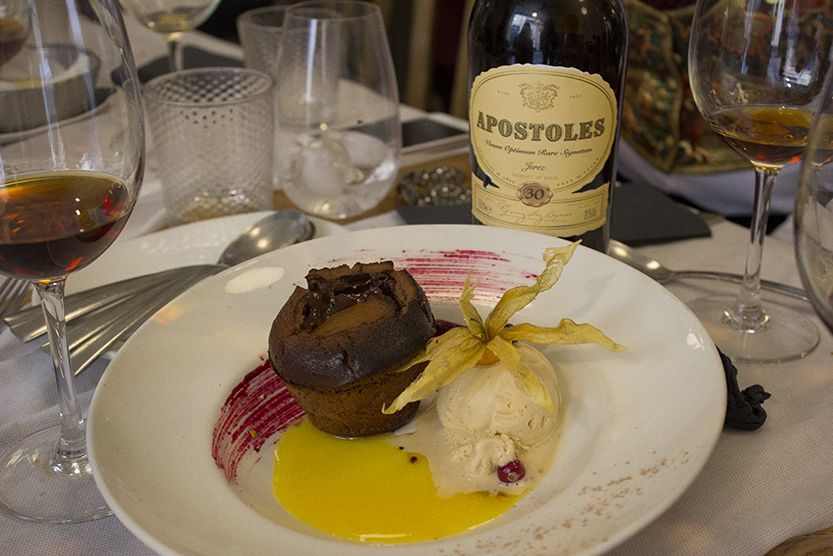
(13, 293)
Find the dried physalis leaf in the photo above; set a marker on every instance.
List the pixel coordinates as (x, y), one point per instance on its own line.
(460, 349)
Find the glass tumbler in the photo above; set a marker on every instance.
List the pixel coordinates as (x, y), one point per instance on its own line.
(212, 132)
(260, 36)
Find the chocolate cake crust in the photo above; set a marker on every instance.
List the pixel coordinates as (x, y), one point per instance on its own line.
(350, 323)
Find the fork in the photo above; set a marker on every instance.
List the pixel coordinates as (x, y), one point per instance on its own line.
(13, 294)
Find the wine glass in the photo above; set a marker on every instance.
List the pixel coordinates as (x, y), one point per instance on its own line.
(14, 28)
(337, 136)
(756, 69)
(66, 191)
(813, 218)
(171, 17)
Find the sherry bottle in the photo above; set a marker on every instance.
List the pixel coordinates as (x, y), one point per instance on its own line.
(546, 79)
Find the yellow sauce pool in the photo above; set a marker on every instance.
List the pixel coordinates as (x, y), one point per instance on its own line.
(369, 490)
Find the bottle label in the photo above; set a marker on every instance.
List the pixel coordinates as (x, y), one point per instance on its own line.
(540, 134)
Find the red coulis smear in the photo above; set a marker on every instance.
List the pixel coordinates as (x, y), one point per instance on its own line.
(441, 274)
(257, 408)
(260, 406)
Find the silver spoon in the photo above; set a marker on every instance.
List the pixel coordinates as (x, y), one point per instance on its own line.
(663, 275)
(100, 316)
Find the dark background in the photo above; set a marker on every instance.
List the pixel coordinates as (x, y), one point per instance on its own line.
(448, 22)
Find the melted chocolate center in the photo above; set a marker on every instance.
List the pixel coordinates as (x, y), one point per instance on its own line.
(325, 297)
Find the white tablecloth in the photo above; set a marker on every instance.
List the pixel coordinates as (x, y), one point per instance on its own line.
(757, 489)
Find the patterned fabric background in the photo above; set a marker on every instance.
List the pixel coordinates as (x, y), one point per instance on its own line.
(659, 119)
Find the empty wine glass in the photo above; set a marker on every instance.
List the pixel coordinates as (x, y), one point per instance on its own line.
(814, 212)
(171, 17)
(338, 135)
(756, 69)
(66, 191)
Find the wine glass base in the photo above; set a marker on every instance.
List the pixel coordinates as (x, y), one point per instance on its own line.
(31, 490)
(787, 335)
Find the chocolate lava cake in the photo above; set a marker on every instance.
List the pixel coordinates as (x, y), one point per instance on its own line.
(339, 344)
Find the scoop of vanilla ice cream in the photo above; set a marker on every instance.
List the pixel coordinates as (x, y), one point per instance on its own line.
(489, 417)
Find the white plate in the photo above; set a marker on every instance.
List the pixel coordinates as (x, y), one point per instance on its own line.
(639, 425)
(197, 243)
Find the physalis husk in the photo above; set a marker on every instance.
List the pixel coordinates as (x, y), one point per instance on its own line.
(459, 349)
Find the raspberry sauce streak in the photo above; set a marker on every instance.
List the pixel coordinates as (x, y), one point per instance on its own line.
(257, 408)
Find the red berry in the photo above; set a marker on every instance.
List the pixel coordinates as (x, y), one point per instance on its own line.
(511, 472)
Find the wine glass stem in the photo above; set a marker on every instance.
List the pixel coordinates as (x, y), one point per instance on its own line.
(175, 58)
(71, 454)
(748, 313)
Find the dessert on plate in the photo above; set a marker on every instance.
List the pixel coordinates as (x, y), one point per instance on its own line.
(341, 346)
(488, 431)
(483, 433)
(495, 413)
